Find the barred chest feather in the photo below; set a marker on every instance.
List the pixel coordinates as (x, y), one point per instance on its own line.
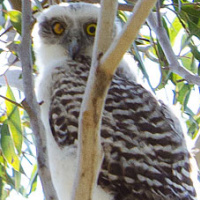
(145, 155)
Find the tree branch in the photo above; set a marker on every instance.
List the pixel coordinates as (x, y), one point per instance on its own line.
(98, 84)
(12, 75)
(11, 101)
(174, 65)
(30, 103)
(105, 23)
(90, 154)
(116, 51)
(16, 4)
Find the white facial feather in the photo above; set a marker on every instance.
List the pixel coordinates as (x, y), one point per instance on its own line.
(48, 53)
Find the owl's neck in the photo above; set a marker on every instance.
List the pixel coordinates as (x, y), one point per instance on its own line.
(48, 55)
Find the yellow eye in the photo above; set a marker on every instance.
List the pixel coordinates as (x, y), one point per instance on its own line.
(58, 28)
(91, 29)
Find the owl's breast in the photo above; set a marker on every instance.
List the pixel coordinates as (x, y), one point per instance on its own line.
(66, 97)
(142, 152)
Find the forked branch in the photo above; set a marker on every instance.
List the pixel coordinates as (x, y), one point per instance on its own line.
(98, 83)
(164, 41)
(90, 155)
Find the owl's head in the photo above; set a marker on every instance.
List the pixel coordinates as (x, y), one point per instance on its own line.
(65, 31)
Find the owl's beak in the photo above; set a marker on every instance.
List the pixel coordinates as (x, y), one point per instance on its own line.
(74, 48)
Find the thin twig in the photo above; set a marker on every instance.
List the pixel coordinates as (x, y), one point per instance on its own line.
(11, 101)
(8, 29)
(158, 13)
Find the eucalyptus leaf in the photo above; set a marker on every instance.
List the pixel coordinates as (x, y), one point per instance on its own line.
(17, 180)
(33, 180)
(8, 149)
(175, 28)
(14, 121)
(16, 19)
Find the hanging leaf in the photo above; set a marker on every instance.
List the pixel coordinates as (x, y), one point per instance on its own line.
(122, 16)
(195, 51)
(141, 65)
(33, 180)
(165, 76)
(193, 123)
(183, 90)
(3, 193)
(188, 62)
(17, 180)
(37, 6)
(174, 30)
(14, 121)
(16, 19)
(8, 149)
(6, 177)
(175, 78)
(192, 10)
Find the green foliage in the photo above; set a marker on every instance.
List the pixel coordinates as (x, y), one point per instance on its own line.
(15, 18)
(181, 20)
(14, 121)
(8, 149)
(18, 170)
(13, 156)
(33, 180)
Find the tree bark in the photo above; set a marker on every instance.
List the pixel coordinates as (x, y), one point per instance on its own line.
(16, 4)
(31, 104)
(174, 65)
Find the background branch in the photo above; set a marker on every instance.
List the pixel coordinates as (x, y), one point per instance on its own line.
(174, 65)
(16, 4)
(11, 101)
(31, 105)
(12, 75)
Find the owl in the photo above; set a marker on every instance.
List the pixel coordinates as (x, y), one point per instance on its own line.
(145, 153)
